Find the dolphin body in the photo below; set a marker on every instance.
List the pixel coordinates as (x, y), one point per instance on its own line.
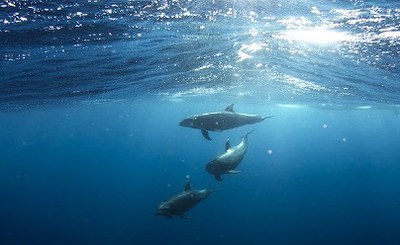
(182, 202)
(218, 121)
(228, 161)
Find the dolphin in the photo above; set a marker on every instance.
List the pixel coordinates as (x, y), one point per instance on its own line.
(218, 121)
(182, 202)
(228, 161)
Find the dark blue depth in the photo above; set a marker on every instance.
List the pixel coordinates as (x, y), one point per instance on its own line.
(96, 174)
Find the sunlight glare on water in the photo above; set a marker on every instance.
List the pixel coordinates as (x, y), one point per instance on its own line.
(301, 51)
(318, 35)
(246, 50)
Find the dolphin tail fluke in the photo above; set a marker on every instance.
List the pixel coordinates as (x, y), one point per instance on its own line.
(205, 134)
(218, 177)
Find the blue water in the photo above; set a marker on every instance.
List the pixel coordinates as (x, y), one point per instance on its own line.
(91, 94)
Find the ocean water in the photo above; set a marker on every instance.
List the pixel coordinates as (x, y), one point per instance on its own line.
(91, 94)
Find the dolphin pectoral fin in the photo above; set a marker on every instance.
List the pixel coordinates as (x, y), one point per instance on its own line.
(205, 134)
(234, 171)
(229, 108)
(227, 145)
(218, 177)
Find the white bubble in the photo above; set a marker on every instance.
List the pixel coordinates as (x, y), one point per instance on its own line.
(344, 139)
(325, 126)
(270, 152)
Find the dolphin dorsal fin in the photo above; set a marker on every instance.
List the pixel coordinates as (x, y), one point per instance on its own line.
(187, 185)
(229, 108)
(227, 145)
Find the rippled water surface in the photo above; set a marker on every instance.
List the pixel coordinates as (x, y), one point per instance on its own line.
(281, 51)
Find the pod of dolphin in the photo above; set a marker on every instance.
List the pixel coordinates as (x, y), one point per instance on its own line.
(225, 163)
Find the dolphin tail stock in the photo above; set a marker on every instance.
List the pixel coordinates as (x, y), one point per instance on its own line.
(214, 190)
(245, 136)
(251, 131)
(270, 116)
(211, 191)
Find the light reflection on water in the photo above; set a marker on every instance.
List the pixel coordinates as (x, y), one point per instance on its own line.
(258, 48)
(316, 36)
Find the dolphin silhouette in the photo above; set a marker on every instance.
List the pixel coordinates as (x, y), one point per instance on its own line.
(227, 162)
(218, 121)
(182, 202)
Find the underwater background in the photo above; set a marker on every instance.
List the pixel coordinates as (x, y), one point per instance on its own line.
(92, 93)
